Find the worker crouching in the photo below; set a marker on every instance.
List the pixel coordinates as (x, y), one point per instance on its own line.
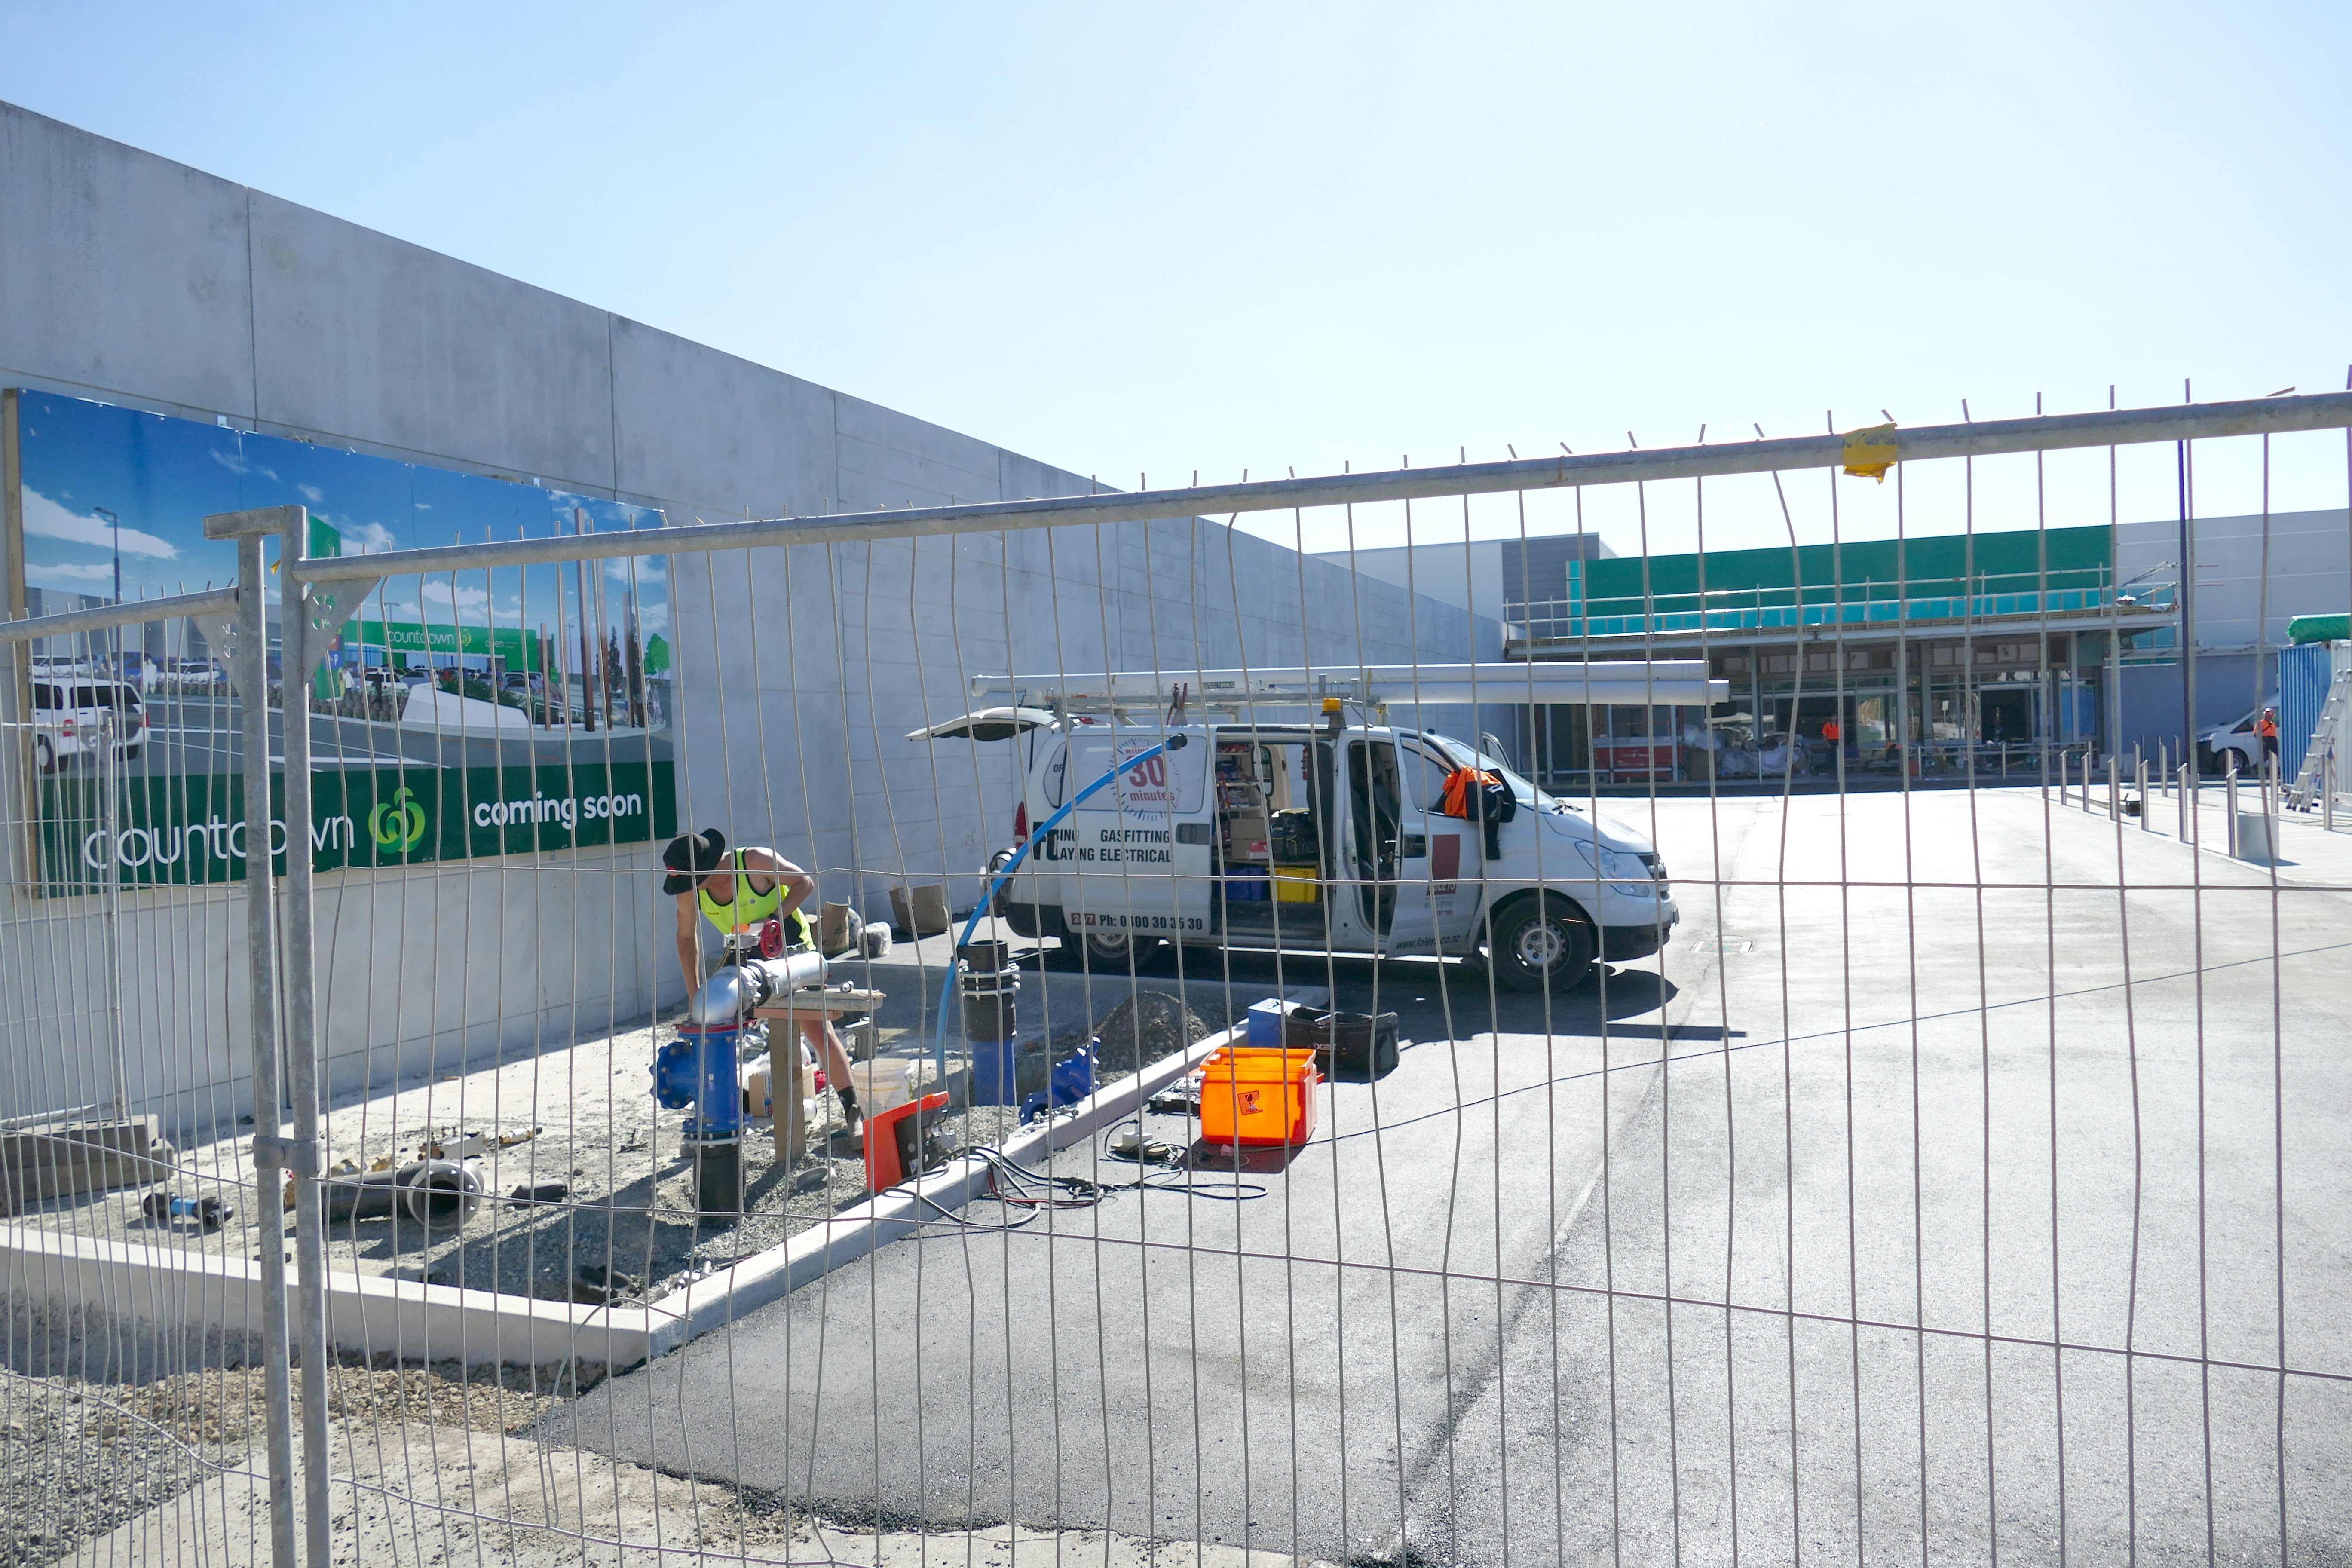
(754, 898)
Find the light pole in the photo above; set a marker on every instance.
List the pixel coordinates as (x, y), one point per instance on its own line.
(114, 524)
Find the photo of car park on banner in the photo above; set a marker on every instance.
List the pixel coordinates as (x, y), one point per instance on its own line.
(518, 711)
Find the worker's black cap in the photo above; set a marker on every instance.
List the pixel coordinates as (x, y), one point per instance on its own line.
(690, 858)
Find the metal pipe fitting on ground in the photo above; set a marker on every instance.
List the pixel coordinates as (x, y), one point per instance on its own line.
(436, 1193)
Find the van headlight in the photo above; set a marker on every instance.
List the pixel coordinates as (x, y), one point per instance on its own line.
(1615, 866)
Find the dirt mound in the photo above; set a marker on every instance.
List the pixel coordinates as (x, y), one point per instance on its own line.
(1145, 1027)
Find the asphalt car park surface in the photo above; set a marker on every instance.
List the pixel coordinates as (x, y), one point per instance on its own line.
(1915, 1094)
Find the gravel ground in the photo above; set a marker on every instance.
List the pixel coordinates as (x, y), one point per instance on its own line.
(436, 1495)
(629, 1219)
(75, 1463)
(102, 1421)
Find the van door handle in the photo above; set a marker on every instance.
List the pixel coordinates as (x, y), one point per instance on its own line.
(1413, 847)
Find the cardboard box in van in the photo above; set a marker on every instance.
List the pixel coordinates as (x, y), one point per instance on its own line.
(1247, 838)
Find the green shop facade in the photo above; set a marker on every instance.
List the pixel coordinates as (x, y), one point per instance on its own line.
(1948, 654)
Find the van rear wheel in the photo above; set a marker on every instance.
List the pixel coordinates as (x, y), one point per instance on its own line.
(1116, 952)
(1540, 944)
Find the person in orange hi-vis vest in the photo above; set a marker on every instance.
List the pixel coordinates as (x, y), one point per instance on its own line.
(2267, 728)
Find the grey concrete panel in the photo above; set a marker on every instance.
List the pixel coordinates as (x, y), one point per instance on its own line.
(933, 444)
(1026, 478)
(120, 272)
(359, 334)
(719, 434)
(873, 475)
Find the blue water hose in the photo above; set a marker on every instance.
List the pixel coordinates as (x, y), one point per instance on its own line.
(947, 986)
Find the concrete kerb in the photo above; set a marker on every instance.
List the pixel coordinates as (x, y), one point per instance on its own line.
(364, 1312)
(374, 1313)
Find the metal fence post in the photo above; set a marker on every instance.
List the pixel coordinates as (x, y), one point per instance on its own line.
(111, 778)
(2230, 803)
(252, 663)
(298, 639)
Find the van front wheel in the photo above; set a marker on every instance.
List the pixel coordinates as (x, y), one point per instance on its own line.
(1540, 944)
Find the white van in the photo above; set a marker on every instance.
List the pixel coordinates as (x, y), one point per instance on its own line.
(69, 716)
(1317, 837)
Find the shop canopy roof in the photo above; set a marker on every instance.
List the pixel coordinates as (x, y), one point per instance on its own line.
(1608, 682)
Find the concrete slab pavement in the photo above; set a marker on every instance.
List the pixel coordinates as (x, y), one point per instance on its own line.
(1991, 1123)
(1951, 1078)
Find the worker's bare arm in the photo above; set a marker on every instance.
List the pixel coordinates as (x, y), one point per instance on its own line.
(688, 960)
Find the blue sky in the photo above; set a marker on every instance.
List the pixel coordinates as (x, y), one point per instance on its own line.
(1226, 237)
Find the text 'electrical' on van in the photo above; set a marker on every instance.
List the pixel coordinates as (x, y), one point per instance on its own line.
(1328, 836)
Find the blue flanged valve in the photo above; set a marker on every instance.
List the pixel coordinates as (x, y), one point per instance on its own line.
(698, 1069)
(673, 1071)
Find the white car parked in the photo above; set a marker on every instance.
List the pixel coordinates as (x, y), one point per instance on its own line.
(2218, 746)
(69, 717)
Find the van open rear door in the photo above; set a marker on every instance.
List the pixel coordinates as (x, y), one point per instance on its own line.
(1140, 848)
(985, 724)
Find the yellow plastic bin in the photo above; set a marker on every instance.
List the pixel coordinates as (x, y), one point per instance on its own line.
(1297, 885)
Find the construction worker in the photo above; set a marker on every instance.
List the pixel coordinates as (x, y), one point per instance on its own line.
(744, 892)
(2267, 728)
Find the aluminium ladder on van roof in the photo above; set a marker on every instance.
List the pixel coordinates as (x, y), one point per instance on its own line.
(2309, 777)
(1632, 683)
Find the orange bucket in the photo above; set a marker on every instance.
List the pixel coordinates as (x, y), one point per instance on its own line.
(1258, 1095)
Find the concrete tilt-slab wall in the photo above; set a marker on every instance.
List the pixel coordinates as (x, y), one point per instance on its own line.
(129, 278)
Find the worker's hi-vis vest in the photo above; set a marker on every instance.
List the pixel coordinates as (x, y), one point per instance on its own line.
(748, 912)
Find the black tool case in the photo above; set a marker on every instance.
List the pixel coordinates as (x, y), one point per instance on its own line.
(1348, 1046)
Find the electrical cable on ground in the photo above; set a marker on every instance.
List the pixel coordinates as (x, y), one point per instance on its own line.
(1015, 1186)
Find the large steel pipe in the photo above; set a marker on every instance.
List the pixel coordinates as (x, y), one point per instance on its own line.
(731, 995)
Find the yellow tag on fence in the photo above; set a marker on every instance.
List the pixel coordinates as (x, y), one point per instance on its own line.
(1870, 453)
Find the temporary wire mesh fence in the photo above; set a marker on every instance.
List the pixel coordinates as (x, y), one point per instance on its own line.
(1795, 1076)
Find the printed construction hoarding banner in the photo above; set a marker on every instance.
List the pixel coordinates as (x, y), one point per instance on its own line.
(519, 710)
(189, 827)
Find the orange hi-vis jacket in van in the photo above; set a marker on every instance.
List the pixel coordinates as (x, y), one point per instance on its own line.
(1458, 785)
